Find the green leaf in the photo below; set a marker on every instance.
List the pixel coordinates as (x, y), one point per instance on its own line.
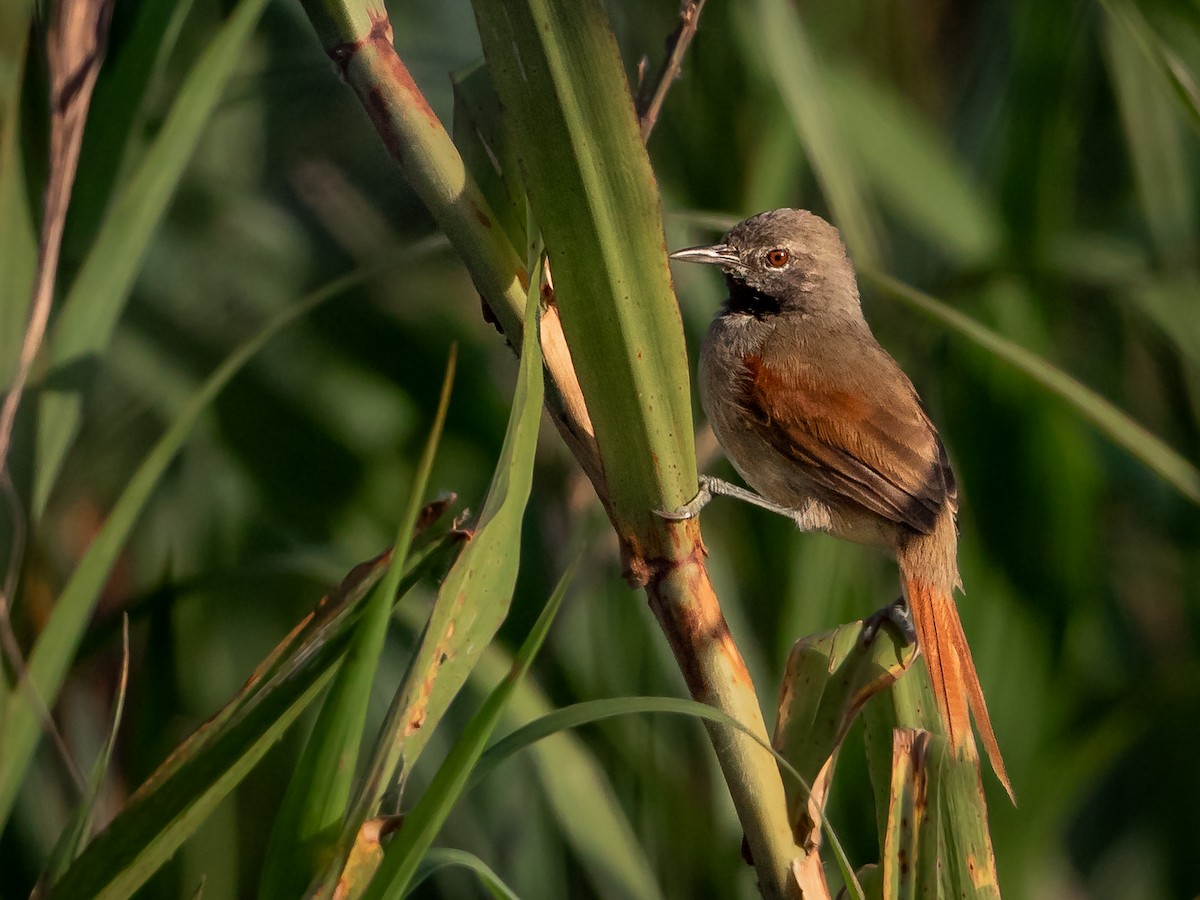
(912, 170)
(592, 711)
(75, 836)
(560, 79)
(91, 308)
(115, 136)
(1148, 111)
(309, 819)
(910, 848)
(56, 644)
(444, 858)
(1111, 421)
(471, 604)
(1172, 69)
(930, 804)
(488, 154)
(572, 779)
(828, 678)
(421, 825)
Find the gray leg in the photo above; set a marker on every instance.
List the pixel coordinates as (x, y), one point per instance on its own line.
(711, 487)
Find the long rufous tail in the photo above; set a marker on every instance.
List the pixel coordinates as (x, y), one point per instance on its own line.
(951, 669)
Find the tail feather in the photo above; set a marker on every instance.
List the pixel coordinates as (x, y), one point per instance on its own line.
(956, 686)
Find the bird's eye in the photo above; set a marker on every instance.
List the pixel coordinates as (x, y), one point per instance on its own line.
(777, 258)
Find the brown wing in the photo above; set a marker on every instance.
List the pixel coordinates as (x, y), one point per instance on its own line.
(878, 450)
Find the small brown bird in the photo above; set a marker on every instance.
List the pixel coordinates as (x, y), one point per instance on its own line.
(824, 426)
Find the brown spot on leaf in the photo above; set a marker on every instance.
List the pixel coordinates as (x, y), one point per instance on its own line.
(480, 216)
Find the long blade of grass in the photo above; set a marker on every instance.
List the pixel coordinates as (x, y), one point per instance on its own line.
(912, 170)
(444, 858)
(591, 711)
(421, 825)
(116, 133)
(308, 822)
(909, 870)
(92, 306)
(472, 602)
(75, 836)
(572, 779)
(202, 771)
(18, 262)
(1111, 421)
(1171, 67)
(1152, 130)
(55, 648)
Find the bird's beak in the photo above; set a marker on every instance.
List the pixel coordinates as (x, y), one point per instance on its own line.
(713, 254)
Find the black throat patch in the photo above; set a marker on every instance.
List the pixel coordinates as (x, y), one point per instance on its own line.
(750, 301)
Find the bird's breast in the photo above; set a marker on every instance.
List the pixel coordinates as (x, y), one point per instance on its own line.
(731, 339)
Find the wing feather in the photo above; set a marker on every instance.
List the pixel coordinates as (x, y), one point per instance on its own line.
(879, 450)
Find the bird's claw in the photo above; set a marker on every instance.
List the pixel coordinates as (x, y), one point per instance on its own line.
(692, 508)
(896, 613)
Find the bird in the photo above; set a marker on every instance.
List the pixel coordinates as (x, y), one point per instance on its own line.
(826, 429)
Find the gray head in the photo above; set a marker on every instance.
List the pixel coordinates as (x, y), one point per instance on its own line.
(785, 259)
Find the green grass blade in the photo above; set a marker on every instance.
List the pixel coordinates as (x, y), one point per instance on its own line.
(1172, 69)
(472, 602)
(120, 860)
(116, 132)
(1146, 100)
(309, 819)
(94, 302)
(71, 842)
(1111, 421)
(828, 678)
(56, 644)
(486, 150)
(908, 823)
(202, 771)
(591, 711)
(572, 779)
(445, 858)
(930, 804)
(790, 60)
(421, 825)
(912, 170)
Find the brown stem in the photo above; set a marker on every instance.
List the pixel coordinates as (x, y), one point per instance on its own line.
(650, 103)
(417, 141)
(682, 598)
(75, 47)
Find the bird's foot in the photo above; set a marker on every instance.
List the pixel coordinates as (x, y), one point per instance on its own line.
(898, 614)
(692, 508)
(711, 487)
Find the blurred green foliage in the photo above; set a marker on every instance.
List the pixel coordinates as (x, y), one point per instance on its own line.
(1030, 163)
